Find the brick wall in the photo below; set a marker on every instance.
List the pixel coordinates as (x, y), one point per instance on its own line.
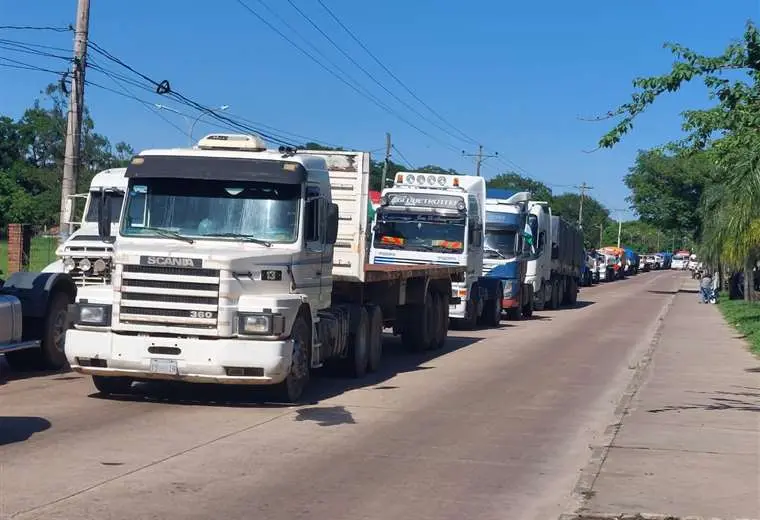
(19, 247)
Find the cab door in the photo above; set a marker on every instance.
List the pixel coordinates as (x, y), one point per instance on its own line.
(312, 264)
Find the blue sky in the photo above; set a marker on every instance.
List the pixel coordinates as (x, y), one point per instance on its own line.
(515, 76)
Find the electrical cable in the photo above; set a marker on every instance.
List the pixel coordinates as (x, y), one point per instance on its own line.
(403, 158)
(35, 28)
(343, 80)
(390, 73)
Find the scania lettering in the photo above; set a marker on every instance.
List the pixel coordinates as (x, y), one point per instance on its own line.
(249, 266)
(432, 219)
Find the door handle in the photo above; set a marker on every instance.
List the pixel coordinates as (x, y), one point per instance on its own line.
(319, 273)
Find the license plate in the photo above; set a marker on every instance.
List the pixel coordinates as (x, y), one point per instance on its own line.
(164, 366)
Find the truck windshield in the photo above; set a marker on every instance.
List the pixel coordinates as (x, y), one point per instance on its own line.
(114, 199)
(439, 233)
(213, 209)
(500, 243)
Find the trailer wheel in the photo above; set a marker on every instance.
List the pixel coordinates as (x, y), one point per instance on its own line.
(514, 313)
(375, 314)
(572, 292)
(359, 344)
(419, 327)
(553, 295)
(291, 389)
(442, 322)
(112, 385)
(539, 301)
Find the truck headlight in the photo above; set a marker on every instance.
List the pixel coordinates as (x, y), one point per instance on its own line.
(93, 314)
(261, 324)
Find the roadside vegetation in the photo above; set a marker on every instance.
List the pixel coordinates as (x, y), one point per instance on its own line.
(745, 317)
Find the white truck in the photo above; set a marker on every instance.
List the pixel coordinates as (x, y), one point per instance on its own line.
(248, 266)
(84, 255)
(433, 219)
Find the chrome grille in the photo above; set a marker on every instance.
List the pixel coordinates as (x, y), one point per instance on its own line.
(169, 297)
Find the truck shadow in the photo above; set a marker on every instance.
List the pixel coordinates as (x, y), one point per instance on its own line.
(324, 384)
(20, 429)
(8, 374)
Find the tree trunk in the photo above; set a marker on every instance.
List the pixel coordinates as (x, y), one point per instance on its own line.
(749, 279)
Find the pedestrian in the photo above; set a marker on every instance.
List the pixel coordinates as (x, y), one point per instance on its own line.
(705, 287)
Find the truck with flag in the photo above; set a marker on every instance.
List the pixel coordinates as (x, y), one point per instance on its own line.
(433, 219)
(509, 245)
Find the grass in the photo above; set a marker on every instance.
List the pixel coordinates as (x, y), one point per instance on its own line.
(42, 253)
(745, 317)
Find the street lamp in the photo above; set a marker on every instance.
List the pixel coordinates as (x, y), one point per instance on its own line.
(190, 124)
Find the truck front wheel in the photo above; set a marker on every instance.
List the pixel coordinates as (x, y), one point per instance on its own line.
(442, 306)
(291, 389)
(51, 354)
(112, 385)
(359, 344)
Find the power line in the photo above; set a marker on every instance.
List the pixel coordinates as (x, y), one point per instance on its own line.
(15, 64)
(366, 72)
(343, 80)
(35, 28)
(391, 74)
(403, 158)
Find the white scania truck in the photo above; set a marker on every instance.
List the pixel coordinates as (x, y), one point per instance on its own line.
(435, 219)
(248, 266)
(84, 255)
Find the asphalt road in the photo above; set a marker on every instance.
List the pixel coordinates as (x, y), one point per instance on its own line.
(497, 425)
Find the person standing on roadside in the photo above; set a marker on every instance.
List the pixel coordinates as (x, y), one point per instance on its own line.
(705, 287)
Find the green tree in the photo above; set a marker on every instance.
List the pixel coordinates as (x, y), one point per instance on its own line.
(515, 181)
(727, 130)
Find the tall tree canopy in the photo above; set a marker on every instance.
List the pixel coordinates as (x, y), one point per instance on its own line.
(515, 181)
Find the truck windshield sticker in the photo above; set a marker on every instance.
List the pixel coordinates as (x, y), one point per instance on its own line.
(425, 201)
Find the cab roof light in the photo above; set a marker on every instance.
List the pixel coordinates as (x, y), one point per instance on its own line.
(241, 142)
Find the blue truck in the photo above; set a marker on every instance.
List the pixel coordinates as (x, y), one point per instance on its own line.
(507, 248)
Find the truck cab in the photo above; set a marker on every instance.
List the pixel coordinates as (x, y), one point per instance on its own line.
(508, 247)
(84, 255)
(433, 219)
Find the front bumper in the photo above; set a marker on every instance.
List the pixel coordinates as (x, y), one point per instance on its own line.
(198, 360)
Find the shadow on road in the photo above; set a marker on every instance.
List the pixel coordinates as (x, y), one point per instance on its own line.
(7, 374)
(323, 386)
(742, 402)
(20, 429)
(328, 416)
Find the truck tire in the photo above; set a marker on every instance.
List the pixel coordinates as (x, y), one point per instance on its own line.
(527, 308)
(51, 355)
(442, 322)
(53, 342)
(539, 300)
(553, 289)
(359, 344)
(572, 292)
(375, 314)
(514, 313)
(420, 327)
(291, 389)
(493, 308)
(112, 385)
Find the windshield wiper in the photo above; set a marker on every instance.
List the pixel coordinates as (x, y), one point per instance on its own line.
(170, 234)
(246, 238)
(492, 250)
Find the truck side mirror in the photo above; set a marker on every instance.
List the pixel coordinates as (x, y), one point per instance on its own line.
(104, 217)
(331, 235)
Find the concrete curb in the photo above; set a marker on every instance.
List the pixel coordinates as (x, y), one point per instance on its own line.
(584, 487)
(636, 516)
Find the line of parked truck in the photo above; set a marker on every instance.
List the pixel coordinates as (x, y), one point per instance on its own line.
(231, 263)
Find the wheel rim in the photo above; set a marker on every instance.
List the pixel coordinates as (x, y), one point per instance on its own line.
(59, 331)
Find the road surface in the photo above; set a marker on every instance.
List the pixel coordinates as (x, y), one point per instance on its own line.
(497, 425)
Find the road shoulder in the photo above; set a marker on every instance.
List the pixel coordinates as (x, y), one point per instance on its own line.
(687, 443)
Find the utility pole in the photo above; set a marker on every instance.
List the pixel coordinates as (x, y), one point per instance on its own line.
(620, 231)
(72, 160)
(601, 233)
(387, 159)
(583, 187)
(479, 158)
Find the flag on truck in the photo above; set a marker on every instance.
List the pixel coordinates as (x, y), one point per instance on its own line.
(528, 237)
